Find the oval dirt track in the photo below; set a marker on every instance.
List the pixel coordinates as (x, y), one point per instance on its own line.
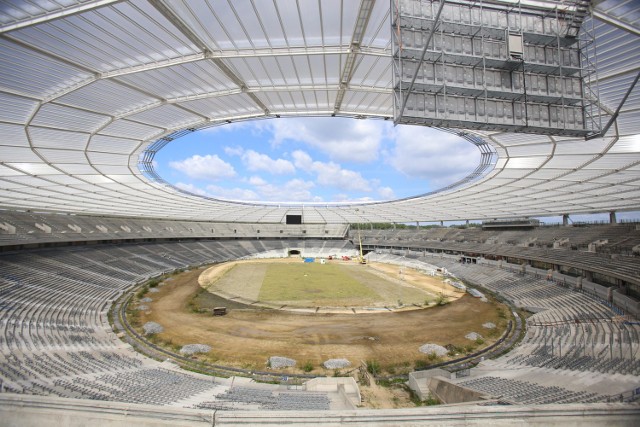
(247, 337)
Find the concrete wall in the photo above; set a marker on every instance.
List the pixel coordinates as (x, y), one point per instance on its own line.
(569, 280)
(629, 305)
(594, 288)
(347, 387)
(38, 411)
(419, 380)
(447, 392)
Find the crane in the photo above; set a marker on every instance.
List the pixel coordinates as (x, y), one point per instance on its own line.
(361, 259)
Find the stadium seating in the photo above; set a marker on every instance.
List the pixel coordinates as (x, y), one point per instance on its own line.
(55, 338)
(571, 333)
(536, 247)
(40, 229)
(54, 335)
(621, 238)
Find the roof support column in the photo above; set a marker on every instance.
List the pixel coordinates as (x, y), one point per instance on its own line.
(612, 217)
(565, 220)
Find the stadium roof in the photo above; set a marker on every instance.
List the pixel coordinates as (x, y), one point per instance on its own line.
(90, 89)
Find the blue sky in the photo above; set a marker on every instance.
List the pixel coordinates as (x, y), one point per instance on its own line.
(327, 159)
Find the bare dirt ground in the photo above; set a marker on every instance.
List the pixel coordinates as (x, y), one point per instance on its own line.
(249, 335)
(246, 337)
(409, 277)
(375, 396)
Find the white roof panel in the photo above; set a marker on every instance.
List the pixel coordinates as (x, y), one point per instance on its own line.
(167, 117)
(110, 144)
(77, 169)
(13, 135)
(53, 138)
(106, 96)
(62, 156)
(124, 34)
(130, 129)
(181, 80)
(16, 109)
(33, 168)
(18, 154)
(224, 106)
(67, 118)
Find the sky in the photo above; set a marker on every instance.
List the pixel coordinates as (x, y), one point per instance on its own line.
(315, 159)
(322, 159)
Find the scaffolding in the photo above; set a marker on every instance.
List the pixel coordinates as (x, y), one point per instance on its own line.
(495, 65)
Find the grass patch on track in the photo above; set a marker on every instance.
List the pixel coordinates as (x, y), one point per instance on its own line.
(312, 281)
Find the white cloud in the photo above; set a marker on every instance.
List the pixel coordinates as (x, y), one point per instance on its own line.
(386, 193)
(436, 156)
(302, 160)
(256, 180)
(210, 167)
(220, 192)
(341, 139)
(428, 158)
(295, 190)
(255, 161)
(347, 198)
(331, 174)
(233, 151)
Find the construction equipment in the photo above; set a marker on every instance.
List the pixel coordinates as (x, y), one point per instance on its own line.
(361, 258)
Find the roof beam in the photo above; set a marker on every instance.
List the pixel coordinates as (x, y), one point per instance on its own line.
(153, 66)
(362, 21)
(285, 88)
(196, 40)
(241, 84)
(69, 89)
(608, 19)
(614, 116)
(179, 24)
(241, 53)
(63, 13)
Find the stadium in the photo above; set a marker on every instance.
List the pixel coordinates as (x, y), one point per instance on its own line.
(546, 91)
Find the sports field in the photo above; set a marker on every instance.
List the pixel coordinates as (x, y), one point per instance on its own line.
(311, 281)
(292, 283)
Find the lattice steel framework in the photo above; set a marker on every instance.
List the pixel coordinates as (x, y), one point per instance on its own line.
(495, 66)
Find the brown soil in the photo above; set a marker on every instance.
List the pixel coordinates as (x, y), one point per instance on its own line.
(247, 337)
(375, 396)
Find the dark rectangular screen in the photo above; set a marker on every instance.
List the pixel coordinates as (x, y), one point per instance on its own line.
(294, 219)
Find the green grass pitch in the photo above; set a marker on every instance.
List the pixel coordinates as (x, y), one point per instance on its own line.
(311, 281)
